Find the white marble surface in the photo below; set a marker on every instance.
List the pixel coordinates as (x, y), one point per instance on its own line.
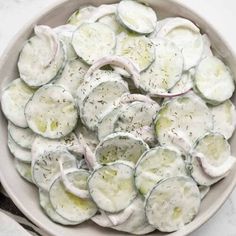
(15, 13)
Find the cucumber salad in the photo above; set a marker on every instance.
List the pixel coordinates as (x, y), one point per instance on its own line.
(121, 117)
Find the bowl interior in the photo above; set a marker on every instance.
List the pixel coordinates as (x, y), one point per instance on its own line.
(25, 195)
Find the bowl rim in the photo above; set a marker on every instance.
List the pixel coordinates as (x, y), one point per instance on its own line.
(44, 12)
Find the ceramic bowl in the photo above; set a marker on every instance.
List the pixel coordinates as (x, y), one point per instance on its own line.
(25, 195)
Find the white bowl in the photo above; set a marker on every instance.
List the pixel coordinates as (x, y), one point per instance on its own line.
(25, 195)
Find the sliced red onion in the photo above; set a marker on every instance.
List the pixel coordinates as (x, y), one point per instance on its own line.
(89, 156)
(169, 95)
(179, 140)
(122, 62)
(215, 171)
(128, 98)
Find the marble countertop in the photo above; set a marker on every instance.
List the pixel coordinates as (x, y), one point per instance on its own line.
(15, 13)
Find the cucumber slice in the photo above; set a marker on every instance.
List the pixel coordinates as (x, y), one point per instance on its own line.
(102, 97)
(93, 41)
(158, 164)
(72, 76)
(18, 152)
(137, 118)
(22, 136)
(111, 21)
(65, 33)
(94, 79)
(24, 169)
(187, 37)
(137, 222)
(173, 203)
(51, 112)
(47, 167)
(165, 71)
(13, 101)
(47, 207)
(68, 205)
(74, 178)
(184, 85)
(41, 58)
(187, 115)
(139, 49)
(120, 146)
(224, 116)
(136, 16)
(81, 16)
(213, 153)
(204, 190)
(213, 81)
(112, 187)
(42, 145)
(106, 124)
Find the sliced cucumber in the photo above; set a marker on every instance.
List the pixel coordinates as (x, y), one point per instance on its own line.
(187, 115)
(13, 101)
(47, 207)
(22, 136)
(184, 84)
(22, 154)
(139, 49)
(41, 58)
(120, 146)
(102, 97)
(24, 169)
(136, 16)
(204, 190)
(111, 21)
(106, 124)
(42, 145)
(173, 203)
(112, 187)
(137, 118)
(165, 71)
(213, 152)
(93, 41)
(51, 112)
(187, 37)
(224, 116)
(93, 80)
(137, 222)
(81, 16)
(47, 167)
(75, 181)
(131, 103)
(65, 33)
(68, 205)
(72, 76)
(158, 164)
(213, 80)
